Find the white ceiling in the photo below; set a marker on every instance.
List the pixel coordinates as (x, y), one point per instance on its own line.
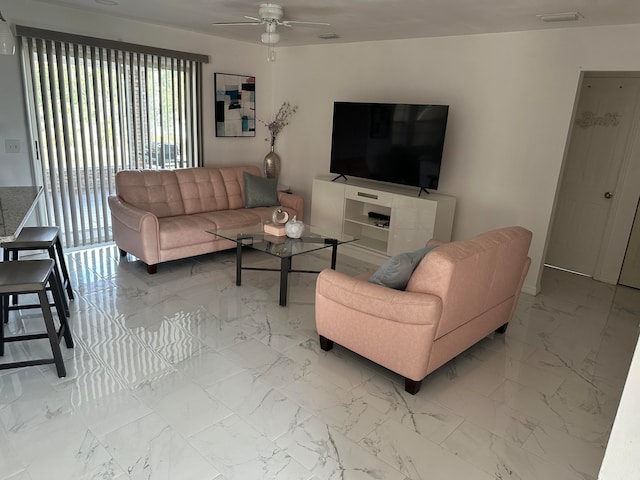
(364, 20)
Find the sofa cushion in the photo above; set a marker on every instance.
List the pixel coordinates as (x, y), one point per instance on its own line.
(203, 190)
(231, 218)
(156, 191)
(234, 183)
(260, 191)
(396, 272)
(183, 230)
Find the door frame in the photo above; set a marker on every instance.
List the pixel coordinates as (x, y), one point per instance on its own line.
(625, 199)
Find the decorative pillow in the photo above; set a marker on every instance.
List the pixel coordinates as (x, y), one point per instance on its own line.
(396, 272)
(259, 191)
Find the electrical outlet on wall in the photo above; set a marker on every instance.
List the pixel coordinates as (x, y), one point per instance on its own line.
(12, 146)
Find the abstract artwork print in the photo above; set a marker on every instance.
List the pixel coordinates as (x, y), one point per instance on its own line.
(235, 106)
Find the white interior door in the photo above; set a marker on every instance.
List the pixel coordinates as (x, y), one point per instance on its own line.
(630, 273)
(599, 141)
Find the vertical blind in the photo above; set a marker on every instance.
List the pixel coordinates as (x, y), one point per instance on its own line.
(99, 107)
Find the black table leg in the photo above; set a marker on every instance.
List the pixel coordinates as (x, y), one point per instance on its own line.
(239, 264)
(334, 254)
(285, 266)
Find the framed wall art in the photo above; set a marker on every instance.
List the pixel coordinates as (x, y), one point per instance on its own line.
(235, 105)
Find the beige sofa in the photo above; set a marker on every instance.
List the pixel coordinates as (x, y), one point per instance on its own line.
(459, 293)
(162, 215)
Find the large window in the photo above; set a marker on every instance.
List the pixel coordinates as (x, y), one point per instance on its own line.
(98, 107)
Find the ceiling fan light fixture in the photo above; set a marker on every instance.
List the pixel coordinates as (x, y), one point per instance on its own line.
(560, 17)
(271, 16)
(270, 38)
(270, 11)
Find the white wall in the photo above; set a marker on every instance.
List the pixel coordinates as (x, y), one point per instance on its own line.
(622, 457)
(15, 168)
(511, 97)
(225, 56)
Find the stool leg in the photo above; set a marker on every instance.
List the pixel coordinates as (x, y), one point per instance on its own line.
(58, 297)
(51, 333)
(14, 257)
(3, 309)
(63, 266)
(52, 256)
(66, 333)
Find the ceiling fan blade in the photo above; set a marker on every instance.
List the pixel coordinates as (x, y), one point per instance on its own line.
(288, 23)
(255, 19)
(235, 24)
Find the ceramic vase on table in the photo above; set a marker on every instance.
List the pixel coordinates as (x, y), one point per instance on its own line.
(293, 228)
(272, 163)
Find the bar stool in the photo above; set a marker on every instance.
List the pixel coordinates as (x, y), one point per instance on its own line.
(32, 276)
(41, 238)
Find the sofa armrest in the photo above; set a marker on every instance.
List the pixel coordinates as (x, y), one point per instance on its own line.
(130, 216)
(135, 230)
(293, 201)
(395, 305)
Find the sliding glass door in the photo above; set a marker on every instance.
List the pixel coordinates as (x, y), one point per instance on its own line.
(98, 109)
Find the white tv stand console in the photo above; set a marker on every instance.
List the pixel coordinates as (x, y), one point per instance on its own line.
(344, 207)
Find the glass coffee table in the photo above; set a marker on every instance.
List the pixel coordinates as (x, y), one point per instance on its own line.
(254, 238)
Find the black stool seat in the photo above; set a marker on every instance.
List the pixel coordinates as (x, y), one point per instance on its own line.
(32, 276)
(24, 276)
(34, 238)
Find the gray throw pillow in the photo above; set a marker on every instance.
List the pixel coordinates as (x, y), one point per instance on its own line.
(396, 272)
(259, 191)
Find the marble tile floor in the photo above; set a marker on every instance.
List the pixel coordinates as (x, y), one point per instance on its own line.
(182, 375)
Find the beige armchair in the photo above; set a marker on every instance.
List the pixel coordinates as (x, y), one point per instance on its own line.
(459, 293)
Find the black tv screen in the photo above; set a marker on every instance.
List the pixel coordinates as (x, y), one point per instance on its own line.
(396, 143)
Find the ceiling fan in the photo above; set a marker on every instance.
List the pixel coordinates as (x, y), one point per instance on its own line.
(270, 15)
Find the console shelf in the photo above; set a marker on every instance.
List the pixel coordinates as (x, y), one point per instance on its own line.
(345, 207)
(365, 221)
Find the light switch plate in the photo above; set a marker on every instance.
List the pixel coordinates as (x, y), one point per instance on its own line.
(12, 146)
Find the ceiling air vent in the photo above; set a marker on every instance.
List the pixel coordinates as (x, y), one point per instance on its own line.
(560, 17)
(328, 36)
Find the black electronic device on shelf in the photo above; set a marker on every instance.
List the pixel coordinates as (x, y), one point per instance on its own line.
(379, 216)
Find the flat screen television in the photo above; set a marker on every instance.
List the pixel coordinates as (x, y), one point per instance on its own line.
(395, 143)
